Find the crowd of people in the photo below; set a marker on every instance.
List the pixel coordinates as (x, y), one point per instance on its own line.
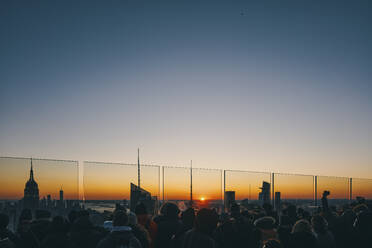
(258, 227)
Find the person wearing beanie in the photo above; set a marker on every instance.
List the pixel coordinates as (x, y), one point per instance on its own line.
(121, 234)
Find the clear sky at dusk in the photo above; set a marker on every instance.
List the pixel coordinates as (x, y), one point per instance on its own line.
(281, 86)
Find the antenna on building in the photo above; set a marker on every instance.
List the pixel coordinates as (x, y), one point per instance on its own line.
(139, 171)
(191, 203)
(250, 192)
(31, 171)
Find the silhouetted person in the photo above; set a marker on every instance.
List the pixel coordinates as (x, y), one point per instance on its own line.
(7, 237)
(139, 231)
(324, 237)
(237, 232)
(363, 229)
(57, 234)
(344, 229)
(284, 230)
(168, 225)
(201, 236)
(325, 201)
(82, 233)
(41, 224)
(121, 234)
(27, 239)
(267, 227)
(291, 212)
(144, 220)
(188, 220)
(302, 235)
(161, 217)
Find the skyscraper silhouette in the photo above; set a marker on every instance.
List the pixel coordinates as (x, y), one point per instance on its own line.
(31, 192)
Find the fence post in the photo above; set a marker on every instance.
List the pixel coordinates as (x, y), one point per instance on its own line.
(273, 189)
(351, 189)
(224, 190)
(163, 182)
(316, 190)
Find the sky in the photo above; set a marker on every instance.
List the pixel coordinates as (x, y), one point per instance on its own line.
(281, 86)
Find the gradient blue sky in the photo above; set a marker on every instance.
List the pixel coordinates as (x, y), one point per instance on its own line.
(285, 87)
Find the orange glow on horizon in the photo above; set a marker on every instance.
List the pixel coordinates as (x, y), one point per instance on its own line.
(112, 182)
(50, 176)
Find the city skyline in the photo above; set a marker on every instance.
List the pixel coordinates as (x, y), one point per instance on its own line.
(105, 181)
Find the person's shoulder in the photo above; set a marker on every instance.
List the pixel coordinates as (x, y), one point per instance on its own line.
(134, 242)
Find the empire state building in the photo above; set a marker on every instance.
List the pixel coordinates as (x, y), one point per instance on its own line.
(31, 192)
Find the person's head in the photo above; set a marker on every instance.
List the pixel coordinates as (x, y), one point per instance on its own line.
(265, 223)
(140, 209)
(120, 218)
(302, 226)
(4, 221)
(319, 224)
(360, 208)
(188, 217)
(163, 208)
(206, 221)
(171, 211)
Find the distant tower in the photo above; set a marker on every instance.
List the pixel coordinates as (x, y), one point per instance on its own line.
(229, 199)
(61, 198)
(277, 201)
(49, 201)
(31, 192)
(139, 170)
(264, 195)
(191, 202)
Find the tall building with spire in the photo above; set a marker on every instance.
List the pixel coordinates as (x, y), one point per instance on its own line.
(31, 192)
(61, 203)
